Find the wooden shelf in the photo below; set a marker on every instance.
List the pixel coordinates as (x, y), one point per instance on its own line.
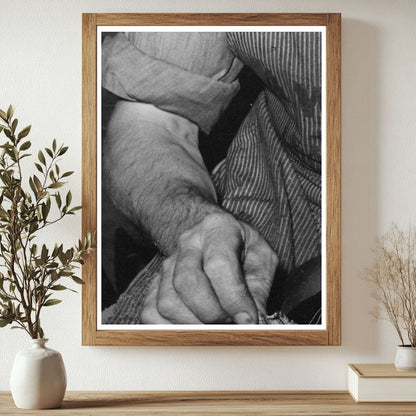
(318, 403)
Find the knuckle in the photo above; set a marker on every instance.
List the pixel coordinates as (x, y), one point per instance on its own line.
(188, 239)
(217, 220)
(221, 232)
(183, 282)
(209, 221)
(237, 294)
(215, 266)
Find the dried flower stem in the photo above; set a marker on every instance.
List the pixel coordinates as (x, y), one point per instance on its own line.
(393, 276)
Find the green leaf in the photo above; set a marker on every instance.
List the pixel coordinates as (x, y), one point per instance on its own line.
(55, 251)
(42, 194)
(63, 151)
(5, 321)
(14, 125)
(37, 183)
(65, 288)
(39, 167)
(77, 208)
(40, 332)
(24, 132)
(76, 279)
(61, 257)
(59, 287)
(10, 112)
(25, 145)
(54, 145)
(68, 199)
(58, 199)
(56, 185)
(60, 249)
(33, 227)
(44, 253)
(33, 187)
(3, 115)
(49, 151)
(41, 158)
(45, 211)
(67, 174)
(8, 133)
(51, 302)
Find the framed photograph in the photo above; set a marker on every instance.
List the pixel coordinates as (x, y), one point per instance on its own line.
(211, 172)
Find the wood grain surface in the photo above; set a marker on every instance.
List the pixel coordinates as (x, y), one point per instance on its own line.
(89, 172)
(211, 19)
(333, 179)
(380, 371)
(329, 336)
(212, 403)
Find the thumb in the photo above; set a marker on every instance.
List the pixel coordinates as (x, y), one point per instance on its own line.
(259, 270)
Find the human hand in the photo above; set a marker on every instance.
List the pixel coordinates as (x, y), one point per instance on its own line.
(221, 272)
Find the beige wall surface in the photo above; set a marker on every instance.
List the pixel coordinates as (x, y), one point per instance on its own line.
(40, 74)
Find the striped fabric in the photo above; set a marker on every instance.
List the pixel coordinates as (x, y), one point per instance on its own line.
(271, 176)
(289, 63)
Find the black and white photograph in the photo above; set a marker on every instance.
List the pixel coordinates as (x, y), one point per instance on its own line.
(211, 206)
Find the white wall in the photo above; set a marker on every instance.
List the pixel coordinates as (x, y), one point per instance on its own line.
(40, 68)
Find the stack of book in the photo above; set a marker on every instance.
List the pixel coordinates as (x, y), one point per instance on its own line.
(381, 383)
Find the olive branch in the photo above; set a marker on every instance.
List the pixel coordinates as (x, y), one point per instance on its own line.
(31, 273)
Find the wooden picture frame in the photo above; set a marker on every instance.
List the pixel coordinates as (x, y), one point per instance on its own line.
(331, 332)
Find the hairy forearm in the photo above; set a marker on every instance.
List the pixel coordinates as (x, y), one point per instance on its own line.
(154, 172)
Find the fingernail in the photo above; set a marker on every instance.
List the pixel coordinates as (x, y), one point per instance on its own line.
(243, 318)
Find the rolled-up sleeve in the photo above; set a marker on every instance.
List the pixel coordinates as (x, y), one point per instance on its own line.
(136, 75)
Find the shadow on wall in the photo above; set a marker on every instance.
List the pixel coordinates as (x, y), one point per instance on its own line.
(360, 186)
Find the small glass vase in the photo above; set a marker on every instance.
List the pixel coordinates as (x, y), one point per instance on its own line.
(405, 358)
(38, 377)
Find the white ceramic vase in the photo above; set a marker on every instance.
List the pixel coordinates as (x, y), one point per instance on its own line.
(38, 378)
(405, 358)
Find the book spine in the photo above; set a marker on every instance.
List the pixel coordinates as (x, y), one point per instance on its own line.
(353, 381)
